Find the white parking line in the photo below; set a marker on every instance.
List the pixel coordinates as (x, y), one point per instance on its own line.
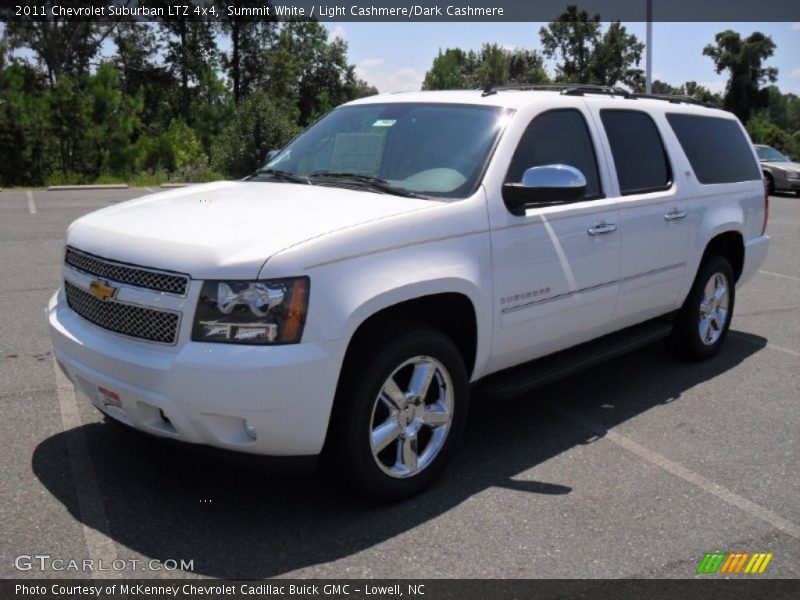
(721, 492)
(784, 350)
(96, 531)
(151, 190)
(31, 203)
(742, 336)
(780, 275)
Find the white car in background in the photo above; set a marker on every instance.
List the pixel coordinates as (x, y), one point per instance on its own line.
(405, 250)
(780, 172)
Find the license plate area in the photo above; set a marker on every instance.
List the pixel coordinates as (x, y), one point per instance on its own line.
(103, 398)
(108, 397)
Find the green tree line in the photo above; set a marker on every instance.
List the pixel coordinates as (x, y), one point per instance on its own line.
(584, 53)
(182, 100)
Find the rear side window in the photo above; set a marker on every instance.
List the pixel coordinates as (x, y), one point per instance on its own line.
(716, 148)
(638, 151)
(557, 137)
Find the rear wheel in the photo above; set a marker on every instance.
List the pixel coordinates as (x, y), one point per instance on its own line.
(401, 408)
(703, 322)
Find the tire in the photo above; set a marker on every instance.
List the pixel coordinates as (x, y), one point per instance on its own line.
(770, 184)
(702, 324)
(390, 439)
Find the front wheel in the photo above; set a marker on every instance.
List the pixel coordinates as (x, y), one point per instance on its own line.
(703, 322)
(770, 184)
(401, 408)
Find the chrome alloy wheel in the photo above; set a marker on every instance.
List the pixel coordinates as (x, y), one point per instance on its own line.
(411, 417)
(714, 309)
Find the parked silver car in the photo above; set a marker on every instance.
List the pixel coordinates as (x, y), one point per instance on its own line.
(780, 172)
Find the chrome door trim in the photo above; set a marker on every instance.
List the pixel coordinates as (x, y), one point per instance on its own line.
(511, 309)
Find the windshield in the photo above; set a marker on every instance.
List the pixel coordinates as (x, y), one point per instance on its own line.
(770, 154)
(422, 149)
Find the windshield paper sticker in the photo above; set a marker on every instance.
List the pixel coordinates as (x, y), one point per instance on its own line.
(384, 122)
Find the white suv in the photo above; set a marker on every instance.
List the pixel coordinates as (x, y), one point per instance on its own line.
(402, 251)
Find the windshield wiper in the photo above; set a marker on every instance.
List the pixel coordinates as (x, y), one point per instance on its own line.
(375, 183)
(282, 175)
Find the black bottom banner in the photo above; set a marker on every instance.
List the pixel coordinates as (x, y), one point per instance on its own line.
(431, 589)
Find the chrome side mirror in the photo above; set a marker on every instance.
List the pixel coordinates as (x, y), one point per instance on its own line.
(541, 186)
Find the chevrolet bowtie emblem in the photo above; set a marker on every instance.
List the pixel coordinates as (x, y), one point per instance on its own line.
(101, 290)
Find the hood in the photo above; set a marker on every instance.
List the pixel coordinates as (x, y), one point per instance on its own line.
(227, 229)
(786, 166)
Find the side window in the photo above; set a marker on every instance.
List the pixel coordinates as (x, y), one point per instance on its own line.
(639, 156)
(716, 148)
(557, 137)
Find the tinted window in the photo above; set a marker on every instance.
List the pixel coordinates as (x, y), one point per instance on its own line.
(716, 148)
(557, 137)
(638, 152)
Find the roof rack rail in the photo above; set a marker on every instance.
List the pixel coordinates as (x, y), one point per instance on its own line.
(674, 98)
(579, 89)
(571, 89)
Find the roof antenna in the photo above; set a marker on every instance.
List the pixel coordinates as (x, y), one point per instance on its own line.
(488, 90)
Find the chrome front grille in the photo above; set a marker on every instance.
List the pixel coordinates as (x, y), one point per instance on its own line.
(134, 321)
(128, 274)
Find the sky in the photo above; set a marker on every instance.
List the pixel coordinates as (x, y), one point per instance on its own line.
(394, 56)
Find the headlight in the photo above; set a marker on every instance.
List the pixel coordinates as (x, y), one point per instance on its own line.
(793, 174)
(252, 312)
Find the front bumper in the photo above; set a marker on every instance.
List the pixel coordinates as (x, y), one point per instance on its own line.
(783, 183)
(793, 184)
(203, 393)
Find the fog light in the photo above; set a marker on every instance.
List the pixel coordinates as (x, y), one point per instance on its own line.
(250, 430)
(246, 332)
(257, 332)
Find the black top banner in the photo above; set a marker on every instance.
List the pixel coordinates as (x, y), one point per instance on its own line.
(397, 10)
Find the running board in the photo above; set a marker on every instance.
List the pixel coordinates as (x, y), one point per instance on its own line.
(525, 377)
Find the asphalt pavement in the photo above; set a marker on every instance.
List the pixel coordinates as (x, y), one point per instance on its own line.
(635, 468)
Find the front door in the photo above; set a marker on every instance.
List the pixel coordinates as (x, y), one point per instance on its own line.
(556, 268)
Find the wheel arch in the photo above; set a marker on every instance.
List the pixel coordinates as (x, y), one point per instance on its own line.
(730, 245)
(451, 312)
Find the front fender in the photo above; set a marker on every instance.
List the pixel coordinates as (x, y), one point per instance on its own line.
(345, 295)
(359, 272)
(411, 291)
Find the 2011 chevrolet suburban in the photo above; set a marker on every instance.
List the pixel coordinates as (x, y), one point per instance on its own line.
(401, 252)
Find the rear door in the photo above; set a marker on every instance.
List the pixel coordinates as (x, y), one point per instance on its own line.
(653, 222)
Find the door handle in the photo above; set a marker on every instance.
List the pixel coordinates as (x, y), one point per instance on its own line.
(675, 215)
(601, 228)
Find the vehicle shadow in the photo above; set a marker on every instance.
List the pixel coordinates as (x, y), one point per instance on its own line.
(239, 521)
